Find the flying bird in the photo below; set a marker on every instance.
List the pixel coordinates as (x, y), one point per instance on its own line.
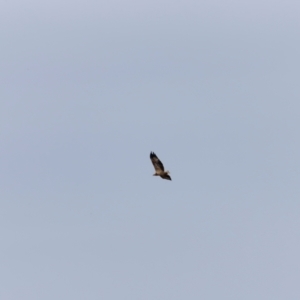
(159, 167)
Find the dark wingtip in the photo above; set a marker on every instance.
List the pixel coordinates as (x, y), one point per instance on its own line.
(152, 154)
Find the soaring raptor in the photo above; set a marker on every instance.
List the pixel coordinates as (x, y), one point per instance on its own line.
(159, 167)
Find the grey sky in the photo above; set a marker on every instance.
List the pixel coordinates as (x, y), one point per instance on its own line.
(88, 89)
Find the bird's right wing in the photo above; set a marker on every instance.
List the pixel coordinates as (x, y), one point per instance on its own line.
(158, 166)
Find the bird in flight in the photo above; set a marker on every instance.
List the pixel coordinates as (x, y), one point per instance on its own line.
(159, 167)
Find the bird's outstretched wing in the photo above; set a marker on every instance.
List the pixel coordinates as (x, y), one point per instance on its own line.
(166, 176)
(158, 166)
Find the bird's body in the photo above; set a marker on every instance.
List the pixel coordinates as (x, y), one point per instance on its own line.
(159, 167)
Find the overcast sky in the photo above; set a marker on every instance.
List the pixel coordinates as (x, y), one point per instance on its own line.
(88, 89)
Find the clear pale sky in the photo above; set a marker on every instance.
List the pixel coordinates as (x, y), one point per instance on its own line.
(88, 89)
